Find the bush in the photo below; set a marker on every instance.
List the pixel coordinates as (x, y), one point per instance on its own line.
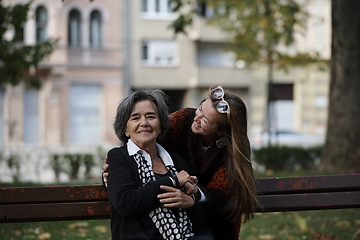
(280, 158)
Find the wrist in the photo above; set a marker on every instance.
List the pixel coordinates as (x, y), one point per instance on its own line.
(197, 193)
(193, 197)
(176, 180)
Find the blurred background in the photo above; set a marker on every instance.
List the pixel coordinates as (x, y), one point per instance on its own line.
(106, 48)
(65, 65)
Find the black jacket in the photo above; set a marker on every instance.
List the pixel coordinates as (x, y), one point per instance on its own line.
(130, 201)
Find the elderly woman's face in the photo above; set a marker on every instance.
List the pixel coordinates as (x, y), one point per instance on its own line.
(143, 126)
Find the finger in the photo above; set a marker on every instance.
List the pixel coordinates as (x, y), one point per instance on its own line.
(105, 160)
(194, 178)
(106, 167)
(172, 205)
(164, 195)
(168, 189)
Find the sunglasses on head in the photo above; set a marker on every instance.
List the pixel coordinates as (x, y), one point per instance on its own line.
(222, 106)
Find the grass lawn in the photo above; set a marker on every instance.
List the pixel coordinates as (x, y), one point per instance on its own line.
(62, 230)
(341, 224)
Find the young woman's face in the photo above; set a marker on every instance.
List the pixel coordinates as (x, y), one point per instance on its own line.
(143, 126)
(205, 120)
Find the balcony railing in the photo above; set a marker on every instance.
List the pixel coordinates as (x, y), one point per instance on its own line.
(102, 57)
(94, 57)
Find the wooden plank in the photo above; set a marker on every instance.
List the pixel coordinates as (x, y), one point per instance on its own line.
(310, 201)
(304, 202)
(101, 210)
(331, 183)
(54, 212)
(52, 194)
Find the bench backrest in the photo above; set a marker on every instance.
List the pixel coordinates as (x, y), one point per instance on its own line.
(91, 202)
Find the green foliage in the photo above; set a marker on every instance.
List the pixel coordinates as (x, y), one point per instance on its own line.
(16, 58)
(70, 164)
(89, 163)
(13, 163)
(256, 28)
(74, 160)
(279, 158)
(56, 166)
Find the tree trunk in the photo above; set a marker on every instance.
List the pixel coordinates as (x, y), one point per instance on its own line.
(341, 152)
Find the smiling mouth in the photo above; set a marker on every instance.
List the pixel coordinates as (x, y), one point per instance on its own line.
(196, 125)
(144, 131)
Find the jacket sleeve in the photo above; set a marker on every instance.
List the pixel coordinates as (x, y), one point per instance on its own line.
(216, 190)
(179, 126)
(125, 190)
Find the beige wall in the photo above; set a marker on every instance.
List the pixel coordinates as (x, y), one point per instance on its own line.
(67, 66)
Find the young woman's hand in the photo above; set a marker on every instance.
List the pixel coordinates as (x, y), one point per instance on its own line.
(175, 198)
(183, 177)
(105, 172)
(191, 185)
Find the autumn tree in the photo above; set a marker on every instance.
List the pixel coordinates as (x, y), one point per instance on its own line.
(259, 31)
(17, 58)
(342, 147)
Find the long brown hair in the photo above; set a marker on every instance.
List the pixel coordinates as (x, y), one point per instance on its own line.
(233, 127)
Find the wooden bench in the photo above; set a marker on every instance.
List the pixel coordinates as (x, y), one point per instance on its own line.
(23, 204)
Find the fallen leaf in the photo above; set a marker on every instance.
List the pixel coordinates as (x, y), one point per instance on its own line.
(44, 236)
(266, 237)
(102, 229)
(357, 233)
(17, 233)
(344, 224)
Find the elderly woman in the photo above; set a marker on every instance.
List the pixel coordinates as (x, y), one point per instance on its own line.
(142, 170)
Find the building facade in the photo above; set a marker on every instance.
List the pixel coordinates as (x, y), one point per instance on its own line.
(82, 80)
(107, 48)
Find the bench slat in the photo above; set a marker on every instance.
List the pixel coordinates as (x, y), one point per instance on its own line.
(101, 210)
(310, 201)
(54, 212)
(91, 202)
(24, 195)
(331, 183)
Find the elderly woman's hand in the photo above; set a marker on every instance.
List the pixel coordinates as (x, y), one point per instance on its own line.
(175, 198)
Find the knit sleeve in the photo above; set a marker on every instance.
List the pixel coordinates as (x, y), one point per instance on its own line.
(179, 127)
(217, 190)
(219, 181)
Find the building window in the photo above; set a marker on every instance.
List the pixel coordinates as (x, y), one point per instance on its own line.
(95, 29)
(158, 53)
(31, 119)
(41, 22)
(85, 113)
(74, 29)
(157, 9)
(214, 55)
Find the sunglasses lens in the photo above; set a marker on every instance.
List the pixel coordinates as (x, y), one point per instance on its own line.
(218, 93)
(222, 107)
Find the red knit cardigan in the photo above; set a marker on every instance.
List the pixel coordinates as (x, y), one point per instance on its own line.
(210, 170)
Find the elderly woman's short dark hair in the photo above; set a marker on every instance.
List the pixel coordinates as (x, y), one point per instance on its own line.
(158, 97)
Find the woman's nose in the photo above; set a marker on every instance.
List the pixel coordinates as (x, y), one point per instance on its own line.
(143, 122)
(197, 117)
